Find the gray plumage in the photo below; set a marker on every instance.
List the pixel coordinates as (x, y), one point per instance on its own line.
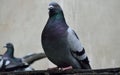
(60, 43)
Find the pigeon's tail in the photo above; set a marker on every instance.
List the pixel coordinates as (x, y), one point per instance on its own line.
(85, 63)
(82, 58)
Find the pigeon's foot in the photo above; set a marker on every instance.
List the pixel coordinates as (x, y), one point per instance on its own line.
(66, 68)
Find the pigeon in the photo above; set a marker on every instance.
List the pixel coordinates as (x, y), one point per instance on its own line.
(9, 62)
(60, 43)
(27, 60)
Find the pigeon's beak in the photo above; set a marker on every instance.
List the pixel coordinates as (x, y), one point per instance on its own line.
(50, 7)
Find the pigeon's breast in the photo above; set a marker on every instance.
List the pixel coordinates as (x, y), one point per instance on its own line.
(54, 33)
(56, 49)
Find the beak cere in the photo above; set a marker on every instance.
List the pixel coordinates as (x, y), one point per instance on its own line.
(50, 7)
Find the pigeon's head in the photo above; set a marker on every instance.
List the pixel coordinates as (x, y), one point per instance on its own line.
(9, 45)
(54, 8)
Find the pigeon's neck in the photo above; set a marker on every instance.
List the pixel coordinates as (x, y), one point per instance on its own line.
(59, 16)
(55, 27)
(57, 22)
(9, 52)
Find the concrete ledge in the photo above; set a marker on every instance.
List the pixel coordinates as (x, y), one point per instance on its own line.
(108, 71)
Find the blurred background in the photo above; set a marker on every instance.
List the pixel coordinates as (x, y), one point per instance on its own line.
(96, 22)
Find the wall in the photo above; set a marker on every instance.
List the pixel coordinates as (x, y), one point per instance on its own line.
(96, 22)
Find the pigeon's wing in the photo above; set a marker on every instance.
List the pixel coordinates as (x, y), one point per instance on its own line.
(75, 45)
(1, 63)
(77, 49)
(19, 65)
(13, 64)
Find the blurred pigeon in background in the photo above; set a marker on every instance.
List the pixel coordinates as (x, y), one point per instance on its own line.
(60, 43)
(9, 62)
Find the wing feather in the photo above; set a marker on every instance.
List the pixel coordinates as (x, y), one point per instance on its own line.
(75, 45)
